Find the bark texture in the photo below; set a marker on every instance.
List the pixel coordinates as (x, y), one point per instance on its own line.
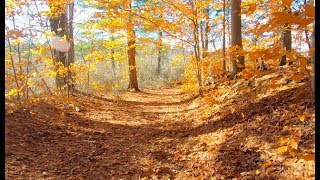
(236, 36)
(59, 26)
(133, 80)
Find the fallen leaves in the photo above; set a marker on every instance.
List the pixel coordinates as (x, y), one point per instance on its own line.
(282, 149)
(308, 157)
(293, 144)
(304, 117)
(228, 144)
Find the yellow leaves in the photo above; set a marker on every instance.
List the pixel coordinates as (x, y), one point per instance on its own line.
(12, 92)
(304, 116)
(283, 141)
(52, 74)
(282, 149)
(290, 144)
(293, 144)
(96, 56)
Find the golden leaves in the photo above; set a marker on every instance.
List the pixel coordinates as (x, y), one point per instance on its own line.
(282, 149)
(266, 164)
(12, 92)
(304, 116)
(292, 153)
(287, 3)
(289, 145)
(309, 10)
(249, 9)
(297, 77)
(283, 141)
(293, 144)
(308, 157)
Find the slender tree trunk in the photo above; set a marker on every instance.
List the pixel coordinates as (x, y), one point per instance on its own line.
(196, 46)
(197, 51)
(133, 80)
(307, 39)
(14, 70)
(224, 37)
(113, 62)
(306, 31)
(236, 36)
(229, 26)
(228, 20)
(18, 52)
(184, 57)
(313, 65)
(71, 49)
(198, 56)
(202, 37)
(286, 42)
(207, 31)
(159, 52)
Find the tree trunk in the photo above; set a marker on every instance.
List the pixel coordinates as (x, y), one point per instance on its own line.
(71, 40)
(133, 80)
(197, 49)
(313, 65)
(224, 37)
(286, 42)
(229, 25)
(206, 34)
(113, 63)
(202, 36)
(307, 39)
(236, 36)
(59, 26)
(306, 32)
(159, 52)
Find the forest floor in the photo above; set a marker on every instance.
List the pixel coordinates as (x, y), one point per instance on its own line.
(166, 134)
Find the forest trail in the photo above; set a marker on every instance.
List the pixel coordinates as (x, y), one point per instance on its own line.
(153, 134)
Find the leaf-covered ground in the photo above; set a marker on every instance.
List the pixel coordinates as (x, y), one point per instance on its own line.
(262, 129)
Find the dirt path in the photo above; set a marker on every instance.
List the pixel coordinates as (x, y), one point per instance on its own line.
(146, 135)
(110, 138)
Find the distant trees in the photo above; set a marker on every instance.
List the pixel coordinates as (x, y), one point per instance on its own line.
(117, 29)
